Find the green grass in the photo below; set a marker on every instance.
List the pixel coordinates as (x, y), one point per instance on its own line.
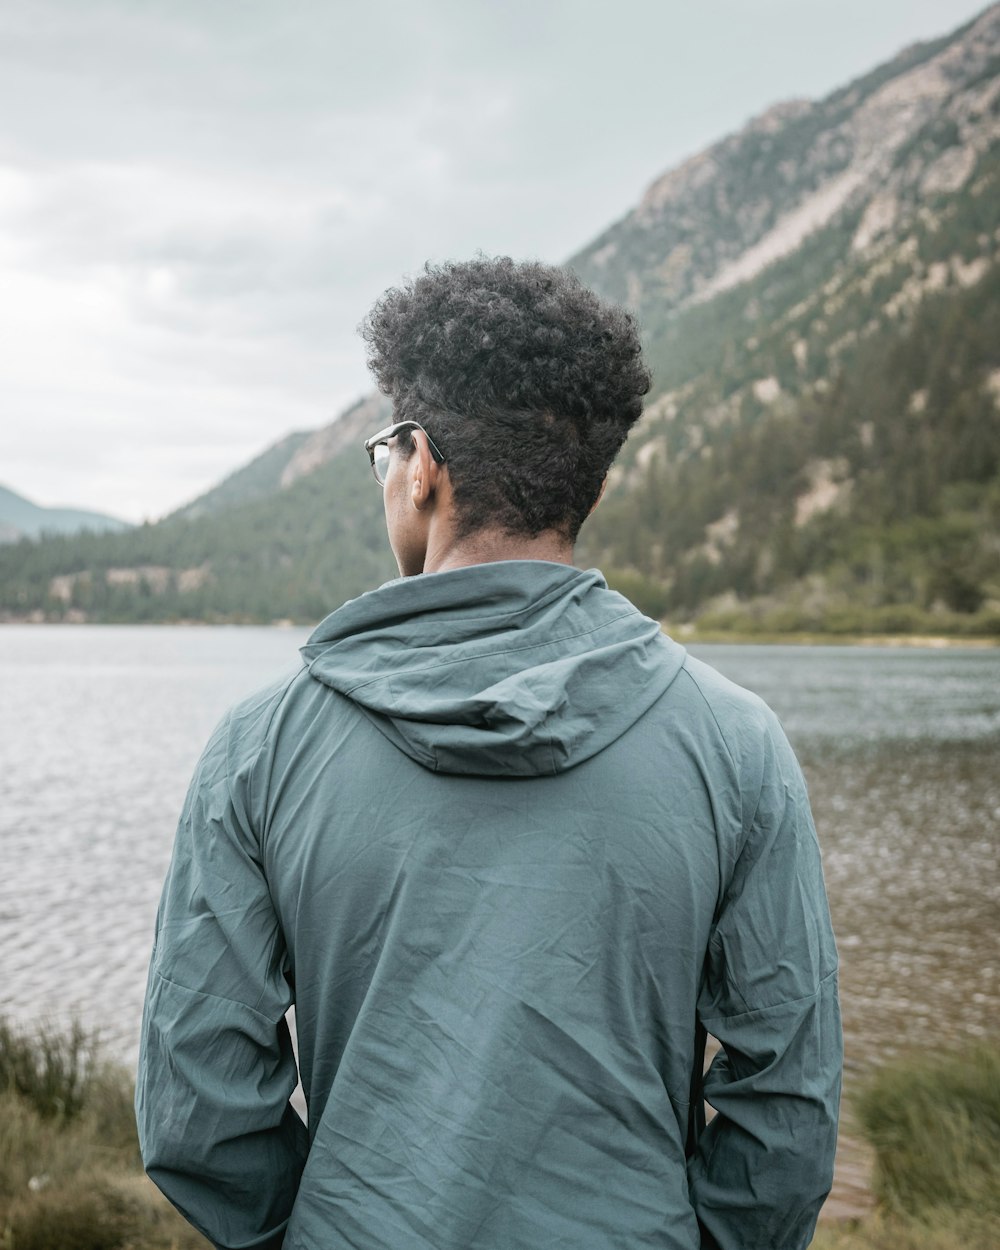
(70, 1173)
(54, 1072)
(934, 1124)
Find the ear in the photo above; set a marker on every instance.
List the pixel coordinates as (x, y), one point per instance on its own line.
(424, 470)
(600, 494)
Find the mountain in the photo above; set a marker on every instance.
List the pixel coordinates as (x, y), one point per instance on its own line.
(910, 129)
(20, 518)
(820, 302)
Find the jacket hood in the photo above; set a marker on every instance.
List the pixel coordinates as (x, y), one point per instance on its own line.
(520, 668)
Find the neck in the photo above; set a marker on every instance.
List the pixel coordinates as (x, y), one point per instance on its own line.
(489, 546)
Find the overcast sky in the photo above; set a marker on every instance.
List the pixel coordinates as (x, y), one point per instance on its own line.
(200, 199)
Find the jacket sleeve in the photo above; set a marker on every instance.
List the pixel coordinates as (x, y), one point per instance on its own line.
(764, 1164)
(216, 1067)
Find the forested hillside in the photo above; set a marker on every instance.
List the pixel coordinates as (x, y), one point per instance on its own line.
(820, 301)
(871, 504)
(289, 552)
(838, 465)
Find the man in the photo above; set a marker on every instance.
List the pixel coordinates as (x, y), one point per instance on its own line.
(510, 852)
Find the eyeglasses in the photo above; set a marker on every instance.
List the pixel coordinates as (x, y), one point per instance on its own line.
(377, 447)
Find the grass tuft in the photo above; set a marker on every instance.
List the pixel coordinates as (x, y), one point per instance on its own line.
(52, 1070)
(70, 1173)
(934, 1122)
(86, 1214)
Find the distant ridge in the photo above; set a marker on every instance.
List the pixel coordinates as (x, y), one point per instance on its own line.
(20, 518)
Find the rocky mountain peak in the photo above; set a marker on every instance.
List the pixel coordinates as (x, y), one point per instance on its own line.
(725, 214)
(350, 429)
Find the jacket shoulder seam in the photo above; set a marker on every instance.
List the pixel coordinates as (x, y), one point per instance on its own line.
(711, 711)
(746, 824)
(271, 709)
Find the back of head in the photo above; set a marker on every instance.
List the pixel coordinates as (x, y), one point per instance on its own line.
(525, 379)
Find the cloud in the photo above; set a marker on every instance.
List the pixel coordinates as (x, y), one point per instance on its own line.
(199, 202)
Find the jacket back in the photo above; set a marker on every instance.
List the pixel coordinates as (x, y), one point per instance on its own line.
(508, 849)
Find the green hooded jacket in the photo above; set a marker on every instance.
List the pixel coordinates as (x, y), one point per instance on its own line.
(509, 851)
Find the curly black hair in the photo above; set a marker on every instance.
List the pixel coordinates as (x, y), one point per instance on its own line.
(524, 378)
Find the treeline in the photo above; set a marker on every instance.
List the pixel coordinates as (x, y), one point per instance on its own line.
(295, 554)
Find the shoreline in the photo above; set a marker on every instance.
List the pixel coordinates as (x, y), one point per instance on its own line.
(929, 642)
(682, 633)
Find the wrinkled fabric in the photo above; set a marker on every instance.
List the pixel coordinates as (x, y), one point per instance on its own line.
(508, 850)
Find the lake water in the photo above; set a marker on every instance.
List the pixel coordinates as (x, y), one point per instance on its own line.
(100, 728)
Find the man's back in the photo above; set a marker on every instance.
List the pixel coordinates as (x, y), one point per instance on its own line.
(511, 848)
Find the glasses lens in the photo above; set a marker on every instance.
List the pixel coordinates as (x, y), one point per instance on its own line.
(381, 461)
